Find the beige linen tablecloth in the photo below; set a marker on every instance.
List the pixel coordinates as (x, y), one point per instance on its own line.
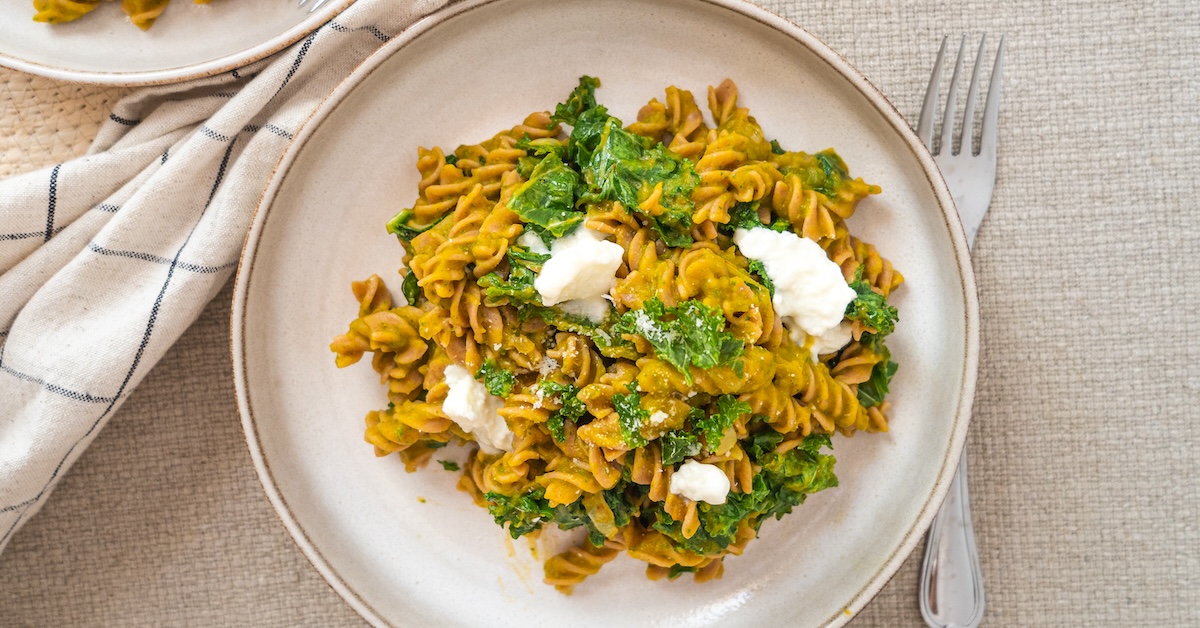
(1085, 467)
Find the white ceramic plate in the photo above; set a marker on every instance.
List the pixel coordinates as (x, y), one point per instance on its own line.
(459, 77)
(188, 41)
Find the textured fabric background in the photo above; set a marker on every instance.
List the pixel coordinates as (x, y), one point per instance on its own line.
(1085, 458)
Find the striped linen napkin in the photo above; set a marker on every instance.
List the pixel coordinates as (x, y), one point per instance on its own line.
(105, 260)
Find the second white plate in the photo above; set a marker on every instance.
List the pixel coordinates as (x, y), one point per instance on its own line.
(188, 41)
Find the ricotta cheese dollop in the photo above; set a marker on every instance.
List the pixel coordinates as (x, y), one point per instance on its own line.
(700, 482)
(810, 292)
(473, 408)
(582, 269)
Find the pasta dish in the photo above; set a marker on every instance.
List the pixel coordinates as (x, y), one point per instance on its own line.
(649, 332)
(141, 12)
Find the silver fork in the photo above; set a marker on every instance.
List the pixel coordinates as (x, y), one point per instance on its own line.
(951, 578)
(316, 5)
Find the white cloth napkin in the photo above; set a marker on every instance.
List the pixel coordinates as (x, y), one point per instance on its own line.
(105, 260)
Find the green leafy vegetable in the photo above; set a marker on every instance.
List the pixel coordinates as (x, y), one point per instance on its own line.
(547, 199)
(521, 514)
(572, 408)
(543, 146)
(432, 444)
(496, 379)
(582, 98)
(758, 268)
(628, 168)
(745, 216)
(776, 148)
(451, 159)
(410, 289)
(688, 334)
(677, 445)
(871, 308)
(835, 172)
(401, 226)
(523, 268)
(872, 391)
(631, 416)
(676, 570)
(783, 483)
(714, 425)
(448, 465)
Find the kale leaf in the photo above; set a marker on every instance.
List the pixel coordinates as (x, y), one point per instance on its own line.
(756, 267)
(410, 289)
(401, 227)
(572, 408)
(628, 168)
(547, 199)
(523, 268)
(582, 98)
(677, 445)
(744, 215)
(872, 391)
(631, 416)
(688, 334)
(871, 308)
(521, 514)
(714, 425)
(496, 379)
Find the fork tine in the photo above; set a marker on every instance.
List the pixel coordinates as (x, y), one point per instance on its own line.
(991, 110)
(925, 122)
(947, 143)
(968, 134)
(317, 5)
(303, 2)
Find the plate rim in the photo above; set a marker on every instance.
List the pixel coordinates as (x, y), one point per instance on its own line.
(204, 69)
(952, 455)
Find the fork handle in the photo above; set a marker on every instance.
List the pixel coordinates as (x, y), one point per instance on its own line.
(951, 578)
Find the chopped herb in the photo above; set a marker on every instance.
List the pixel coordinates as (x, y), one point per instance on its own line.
(451, 159)
(434, 444)
(689, 334)
(631, 416)
(448, 465)
(498, 381)
(776, 148)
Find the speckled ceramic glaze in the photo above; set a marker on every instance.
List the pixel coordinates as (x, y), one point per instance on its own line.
(410, 550)
(188, 41)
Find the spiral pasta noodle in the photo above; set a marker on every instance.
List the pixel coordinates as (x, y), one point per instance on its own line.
(668, 412)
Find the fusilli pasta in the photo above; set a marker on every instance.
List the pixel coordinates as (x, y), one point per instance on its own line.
(688, 369)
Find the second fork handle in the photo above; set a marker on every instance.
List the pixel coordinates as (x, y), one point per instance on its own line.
(952, 580)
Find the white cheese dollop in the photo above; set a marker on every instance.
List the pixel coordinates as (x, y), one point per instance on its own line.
(700, 482)
(582, 268)
(833, 339)
(810, 291)
(473, 408)
(531, 241)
